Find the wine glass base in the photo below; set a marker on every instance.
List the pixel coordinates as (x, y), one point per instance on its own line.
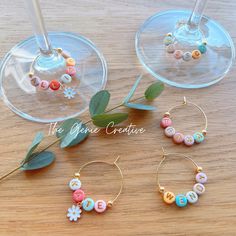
(206, 71)
(46, 105)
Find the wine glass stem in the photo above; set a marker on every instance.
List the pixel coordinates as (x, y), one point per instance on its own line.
(196, 16)
(36, 18)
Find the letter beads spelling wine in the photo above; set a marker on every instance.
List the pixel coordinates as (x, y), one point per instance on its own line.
(181, 200)
(178, 138)
(82, 202)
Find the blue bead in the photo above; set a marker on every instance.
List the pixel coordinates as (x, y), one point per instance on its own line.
(198, 137)
(202, 48)
(181, 200)
(168, 40)
(88, 204)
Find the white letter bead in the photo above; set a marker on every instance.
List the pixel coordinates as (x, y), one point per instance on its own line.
(201, 178)
(75, 184)
(192, 197)
(199, 188)
(169, 131)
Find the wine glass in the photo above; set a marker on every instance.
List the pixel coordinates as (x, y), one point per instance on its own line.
(46, 55)
(185, 32)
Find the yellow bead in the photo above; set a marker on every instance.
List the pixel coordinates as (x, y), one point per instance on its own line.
(204, 132)
(161, 189)
(31, 75)
(70, 61)
(199, 169)
(167, 114)
(196, 54)
(169, 197)
(59, 50)
(109, 204)
(77, 175)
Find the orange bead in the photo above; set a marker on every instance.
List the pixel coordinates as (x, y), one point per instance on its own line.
(196, 54)
(54, 85)
(70, 62)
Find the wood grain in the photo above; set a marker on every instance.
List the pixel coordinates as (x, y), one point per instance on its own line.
(36, 203)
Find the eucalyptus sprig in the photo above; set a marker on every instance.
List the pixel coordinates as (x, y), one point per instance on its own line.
(73, 131)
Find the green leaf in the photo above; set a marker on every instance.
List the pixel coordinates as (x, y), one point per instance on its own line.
(131, 92)
(103, 120)
(99, 102)
(72, 132)
(140, 106)
(37, 140)
(42, 160)
(154, 90)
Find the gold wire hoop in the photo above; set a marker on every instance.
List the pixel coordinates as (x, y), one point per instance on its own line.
(185, 103)
(165, 155)
(77, 174)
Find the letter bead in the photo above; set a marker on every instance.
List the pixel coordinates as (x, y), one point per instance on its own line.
(169, 197)
(35, 81)
(75, 184)
(198, 137)
(187, 56)
(70, 62)
(181, 200)
(192, 197)
(196, 54)
(165, 122)
(178, 54)
(199, 188)
(170, 48)
(71, 70)
(44, 84)
(78, 195)
(169, 131)
(100, 206)
(54, 85)
(178, 138)
(66, 79)
(202, 48)
(88, 204)
(201, 178)
(188, 140)
(168, 40)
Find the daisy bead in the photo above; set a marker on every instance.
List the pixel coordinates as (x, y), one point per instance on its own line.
(201, 178)
(192, 197)
(170, 48)
(169, 131)
(181, 200)
(198, 137)
(196, 54)
(178, 54)
(54, 85)
(75, 184)
(165, 122)
(199, 188)
(74, 213)
(44, 84)
(71, 70)
(178, 138)
(188, 140)
(100, 206)
(78, 195)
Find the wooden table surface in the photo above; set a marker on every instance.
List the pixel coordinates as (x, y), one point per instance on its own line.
(36, 203)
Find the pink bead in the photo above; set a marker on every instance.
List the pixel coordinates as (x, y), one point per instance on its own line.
(169, 131)
(78, 195)
(44, 84)
(71, 70)
(201, 178)
(165, 122)
(178, 54)
(100, 206)
(188, 140)
(178, 138)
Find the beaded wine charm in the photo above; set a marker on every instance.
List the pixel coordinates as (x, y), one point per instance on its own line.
(84, 203)
(178, 138)
(60, 84)
(171, 47)
(182, 200)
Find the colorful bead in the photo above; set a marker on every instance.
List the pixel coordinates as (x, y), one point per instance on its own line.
(198, 137)
(35, 81)
(74, 213)
(196, 54)
(181, 200)
(54, 85)
(201, 178)
(199, 188)
(78, 195)
(66, 79)
(168, 40)
(169, 197)
(187, 56)
(75, 184)
(44, 84)
(169, 131)
(165, 122)
(70, 62)
(192, 197)
(170, 48)
(71, 70)
(188, 140)
(88, 204)
(178, 54)
(100, 206)
(202, 48)
(178, 138)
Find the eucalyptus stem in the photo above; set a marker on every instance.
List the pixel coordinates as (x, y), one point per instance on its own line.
(58, 139)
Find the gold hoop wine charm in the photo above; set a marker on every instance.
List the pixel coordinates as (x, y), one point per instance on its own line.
(178, 138)
(87, 203)
(191, 197)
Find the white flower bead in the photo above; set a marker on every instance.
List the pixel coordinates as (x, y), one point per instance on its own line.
(75, 184)
(74, 213)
